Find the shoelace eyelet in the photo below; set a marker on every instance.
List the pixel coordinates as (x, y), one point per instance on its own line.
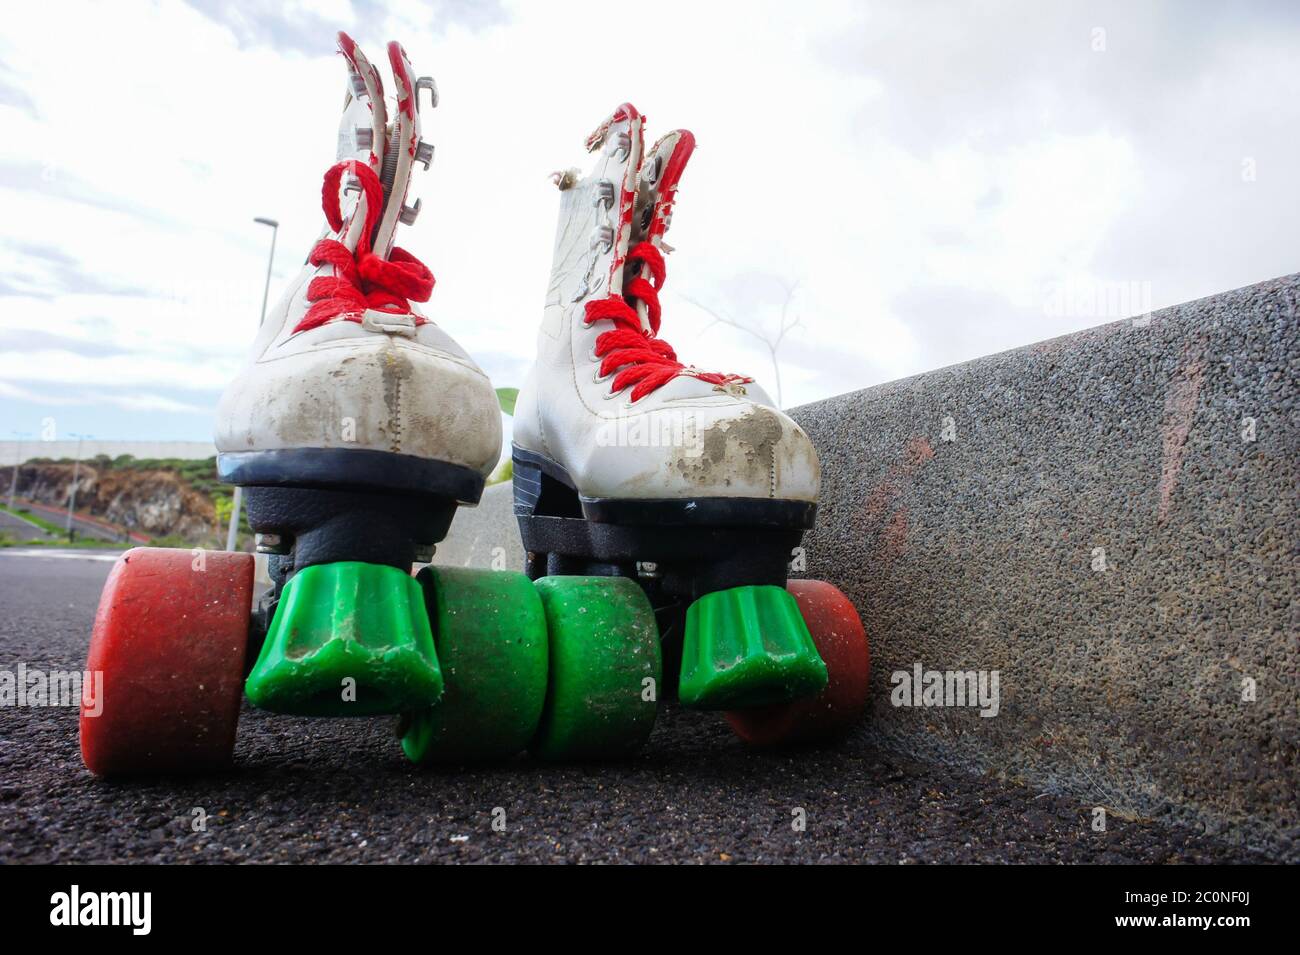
(598, 378)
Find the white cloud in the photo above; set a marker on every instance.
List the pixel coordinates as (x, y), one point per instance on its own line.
(141, 401)
(125, 369)
(876, 153)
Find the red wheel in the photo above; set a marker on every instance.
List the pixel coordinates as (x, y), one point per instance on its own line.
(837, 633)
(170, 637)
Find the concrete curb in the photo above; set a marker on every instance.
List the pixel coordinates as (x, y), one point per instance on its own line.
(1109, 520)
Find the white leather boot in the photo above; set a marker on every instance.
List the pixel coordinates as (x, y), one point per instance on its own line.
(357, 427)
(627, 461)
(349, 386)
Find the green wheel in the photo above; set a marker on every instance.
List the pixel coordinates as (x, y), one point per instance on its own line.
(490, 634)
(605, 668)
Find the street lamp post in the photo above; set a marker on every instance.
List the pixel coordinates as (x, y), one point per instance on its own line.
(232, 532)
(18, 459)
(76, 471)
(275, 229)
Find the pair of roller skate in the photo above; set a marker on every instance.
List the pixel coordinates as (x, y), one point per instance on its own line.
(659, 505)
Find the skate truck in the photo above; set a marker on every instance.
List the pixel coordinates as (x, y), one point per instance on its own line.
(358, 426)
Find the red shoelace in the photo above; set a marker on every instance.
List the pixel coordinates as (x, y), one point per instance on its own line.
(361, 280)
(647, 361)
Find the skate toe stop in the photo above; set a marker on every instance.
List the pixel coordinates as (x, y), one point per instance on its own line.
(347, 639)
(747, 646)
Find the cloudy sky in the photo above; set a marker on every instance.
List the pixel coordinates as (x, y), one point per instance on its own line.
(942, 181)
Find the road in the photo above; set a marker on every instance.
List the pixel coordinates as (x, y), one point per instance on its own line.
(340, 790)
(83, 527)
(19, 528)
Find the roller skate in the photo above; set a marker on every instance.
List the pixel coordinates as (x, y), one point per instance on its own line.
(356, 429)
(632, 466)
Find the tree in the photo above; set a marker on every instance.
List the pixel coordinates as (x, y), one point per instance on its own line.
(773, 344)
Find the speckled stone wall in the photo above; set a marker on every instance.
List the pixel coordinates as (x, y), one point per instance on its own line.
(1110, 521)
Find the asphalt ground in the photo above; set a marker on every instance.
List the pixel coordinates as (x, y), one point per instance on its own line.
(340, 790)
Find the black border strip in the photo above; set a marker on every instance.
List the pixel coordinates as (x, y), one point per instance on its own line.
(683, 511)
(352, 469)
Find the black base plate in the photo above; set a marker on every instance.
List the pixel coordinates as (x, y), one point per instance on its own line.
(696, 546)
(321, 526)
(338, 504)
(359, 469)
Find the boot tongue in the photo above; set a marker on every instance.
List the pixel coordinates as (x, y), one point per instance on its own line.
(363, 132)
(661, 171)
(613, 185)
(405, 148)
(363, 126)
